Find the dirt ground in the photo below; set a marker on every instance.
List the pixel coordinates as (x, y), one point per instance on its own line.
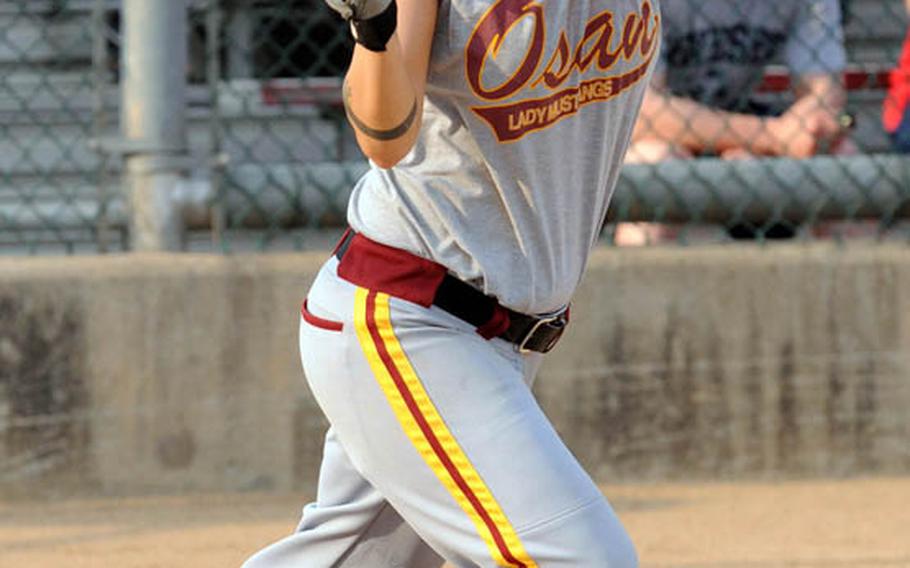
(856, 523)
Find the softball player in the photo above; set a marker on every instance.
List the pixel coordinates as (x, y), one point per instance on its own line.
(496, 130)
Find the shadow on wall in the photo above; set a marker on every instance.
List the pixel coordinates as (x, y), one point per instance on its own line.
(43, 400)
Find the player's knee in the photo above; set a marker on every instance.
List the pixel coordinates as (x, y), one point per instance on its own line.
(621, 553)
(612, 550)
(612, 547)
(594, 538)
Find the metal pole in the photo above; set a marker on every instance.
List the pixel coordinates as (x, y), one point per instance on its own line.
(154, 59)
(99, 119)
(214, 23)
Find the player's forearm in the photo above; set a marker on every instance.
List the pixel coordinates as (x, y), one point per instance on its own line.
(699, 128)
(383, 103)
(383, 90)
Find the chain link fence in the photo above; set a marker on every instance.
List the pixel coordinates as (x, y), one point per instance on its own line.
(291, 159)
(273, 161)
(288, 156)
(765, 122)
(55, 67)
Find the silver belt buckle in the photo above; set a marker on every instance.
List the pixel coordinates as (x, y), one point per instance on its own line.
(561, 317)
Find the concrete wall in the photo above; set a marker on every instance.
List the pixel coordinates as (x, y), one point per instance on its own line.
(171, 373)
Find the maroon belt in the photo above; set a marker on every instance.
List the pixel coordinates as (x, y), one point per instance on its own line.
(419, 280)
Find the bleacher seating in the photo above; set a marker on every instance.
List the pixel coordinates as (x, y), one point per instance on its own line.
(46, 101)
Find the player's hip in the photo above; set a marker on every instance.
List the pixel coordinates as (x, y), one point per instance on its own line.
(381, 274)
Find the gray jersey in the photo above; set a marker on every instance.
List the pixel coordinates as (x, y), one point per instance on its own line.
(528, 114)
(715, 51)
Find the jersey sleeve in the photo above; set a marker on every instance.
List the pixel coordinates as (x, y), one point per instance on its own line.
(816, 41)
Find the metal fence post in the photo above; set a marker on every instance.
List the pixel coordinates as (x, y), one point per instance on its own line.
(154, 118)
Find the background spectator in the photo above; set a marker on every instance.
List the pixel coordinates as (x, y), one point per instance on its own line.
(896, 115)
(702, 99)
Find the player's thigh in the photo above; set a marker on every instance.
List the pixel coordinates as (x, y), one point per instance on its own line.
(443, 424)
(348, 525)
(350, 511)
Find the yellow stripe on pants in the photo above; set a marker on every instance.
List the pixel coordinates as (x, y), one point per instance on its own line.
(426, 429)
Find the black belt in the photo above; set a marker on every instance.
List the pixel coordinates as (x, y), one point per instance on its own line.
(527, 333)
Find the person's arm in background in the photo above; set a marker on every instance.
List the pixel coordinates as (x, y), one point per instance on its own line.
(672, 126)
(815, 54)
(696, 128)
(810, 123)
(384, 89)
(813, 123)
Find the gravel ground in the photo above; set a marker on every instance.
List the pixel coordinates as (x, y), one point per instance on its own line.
(857, 523)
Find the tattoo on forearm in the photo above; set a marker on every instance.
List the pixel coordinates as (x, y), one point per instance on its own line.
(375, 133)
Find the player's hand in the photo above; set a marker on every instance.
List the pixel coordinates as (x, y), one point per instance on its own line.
(804, 130)
(359, 9)
(373, 22)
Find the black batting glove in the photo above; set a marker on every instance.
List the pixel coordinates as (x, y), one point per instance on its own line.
(373, 22)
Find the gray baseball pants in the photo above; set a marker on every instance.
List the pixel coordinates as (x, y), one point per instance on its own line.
(437, 449)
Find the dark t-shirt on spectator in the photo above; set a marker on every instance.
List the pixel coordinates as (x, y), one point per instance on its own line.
(715, 51)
